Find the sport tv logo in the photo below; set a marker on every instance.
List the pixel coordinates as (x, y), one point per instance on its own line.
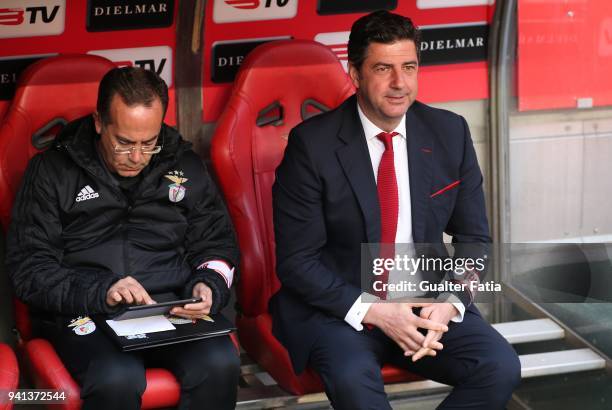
(232, 11)
(158, 59)
(32, 18)
(243, 4)
(108, 15)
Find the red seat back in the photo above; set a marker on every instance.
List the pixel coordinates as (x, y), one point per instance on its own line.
(49, 93)
(278, 85)
(3, 108)
(9, 374)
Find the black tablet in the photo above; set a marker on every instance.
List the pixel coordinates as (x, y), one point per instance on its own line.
(160, 308)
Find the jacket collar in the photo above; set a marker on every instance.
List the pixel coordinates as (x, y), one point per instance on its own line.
(355, 159)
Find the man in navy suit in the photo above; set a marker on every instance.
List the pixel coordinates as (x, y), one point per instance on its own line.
(382, 167)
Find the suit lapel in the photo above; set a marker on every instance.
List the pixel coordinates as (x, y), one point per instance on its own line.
(420, 159)
(357, 166)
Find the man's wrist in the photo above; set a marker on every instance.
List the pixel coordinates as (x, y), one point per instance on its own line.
(358, 311)
(222, 268)
(459, 307)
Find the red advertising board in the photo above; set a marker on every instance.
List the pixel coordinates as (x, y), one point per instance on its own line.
(234, 27)
(127, 32)
(564, 54)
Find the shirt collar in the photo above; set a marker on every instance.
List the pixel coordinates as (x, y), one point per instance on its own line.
(371, 130)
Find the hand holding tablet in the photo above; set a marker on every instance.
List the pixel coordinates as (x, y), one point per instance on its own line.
(160, 308)
(196, 310)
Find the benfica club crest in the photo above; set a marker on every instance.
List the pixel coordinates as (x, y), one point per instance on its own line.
(82, 325)
(176, 191)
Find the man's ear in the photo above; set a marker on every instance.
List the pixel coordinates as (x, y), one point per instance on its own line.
(354, 74)
(97, 122)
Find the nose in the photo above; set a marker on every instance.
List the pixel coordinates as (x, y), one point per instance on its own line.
(397, 78)
(136, 155)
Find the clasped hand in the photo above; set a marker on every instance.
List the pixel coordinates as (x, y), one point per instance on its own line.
(398, 321)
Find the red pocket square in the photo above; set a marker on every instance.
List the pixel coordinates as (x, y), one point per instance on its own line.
(446, 188)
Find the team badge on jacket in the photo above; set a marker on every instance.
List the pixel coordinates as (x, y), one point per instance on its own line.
(82, 325)
(176, 191)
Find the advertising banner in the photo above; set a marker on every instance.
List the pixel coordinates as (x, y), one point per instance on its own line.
(33, 28)
(454, 47)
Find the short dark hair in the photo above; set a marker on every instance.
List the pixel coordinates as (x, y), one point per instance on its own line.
(379, 27)
(135, 86)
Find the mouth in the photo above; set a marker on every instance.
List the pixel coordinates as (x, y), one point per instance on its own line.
(396, 99)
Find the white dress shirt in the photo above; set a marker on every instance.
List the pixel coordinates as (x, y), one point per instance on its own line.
(376, 148)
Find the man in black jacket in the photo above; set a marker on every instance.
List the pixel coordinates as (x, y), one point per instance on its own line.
(121, 208)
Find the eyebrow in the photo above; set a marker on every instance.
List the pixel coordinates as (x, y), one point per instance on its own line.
(125, 139)
(391, 65)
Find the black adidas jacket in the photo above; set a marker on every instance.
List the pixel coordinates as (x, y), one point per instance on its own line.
(74, 232)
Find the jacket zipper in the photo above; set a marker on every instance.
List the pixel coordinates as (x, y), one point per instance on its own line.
(126, 252)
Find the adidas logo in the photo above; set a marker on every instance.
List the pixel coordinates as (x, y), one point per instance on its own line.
(86, 193)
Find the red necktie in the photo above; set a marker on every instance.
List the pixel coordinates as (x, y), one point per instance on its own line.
(388, 199)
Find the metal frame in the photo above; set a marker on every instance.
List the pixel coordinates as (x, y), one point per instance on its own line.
(188, 72)
(501, 44)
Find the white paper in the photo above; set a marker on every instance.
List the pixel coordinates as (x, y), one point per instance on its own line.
(149, 324)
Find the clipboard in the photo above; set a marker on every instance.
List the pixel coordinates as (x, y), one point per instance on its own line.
(216, 325)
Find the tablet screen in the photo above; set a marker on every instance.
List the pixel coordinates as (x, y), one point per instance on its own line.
(165, 302)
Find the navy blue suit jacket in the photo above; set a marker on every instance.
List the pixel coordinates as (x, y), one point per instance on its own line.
(326, 205)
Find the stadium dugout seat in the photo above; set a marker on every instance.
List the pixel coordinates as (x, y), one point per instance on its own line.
(50, 93)
(279, 84)
(3, 107)
(9, 374)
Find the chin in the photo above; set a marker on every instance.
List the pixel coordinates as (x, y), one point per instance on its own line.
(126, 173)
(397, 112)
